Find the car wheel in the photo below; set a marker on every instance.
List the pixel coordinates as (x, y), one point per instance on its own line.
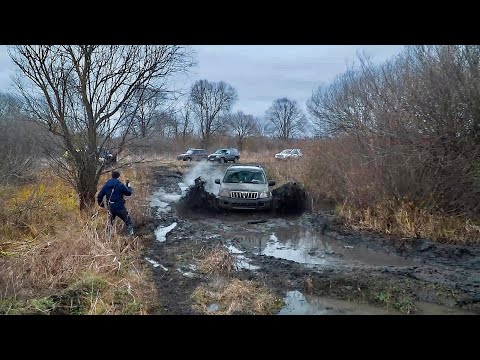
(189, 159)
(235, 160)
(222, 160)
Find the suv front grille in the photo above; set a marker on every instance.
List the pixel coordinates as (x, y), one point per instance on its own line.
(244, 195)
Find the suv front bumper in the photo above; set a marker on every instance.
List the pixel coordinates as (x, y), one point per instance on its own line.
(245, 204)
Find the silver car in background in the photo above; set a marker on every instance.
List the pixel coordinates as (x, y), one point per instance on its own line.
(289, 154)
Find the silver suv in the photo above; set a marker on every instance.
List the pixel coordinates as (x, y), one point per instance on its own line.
(245, 187)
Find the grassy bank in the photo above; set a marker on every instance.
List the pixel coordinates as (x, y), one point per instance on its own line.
(336, 178)
(56, 260)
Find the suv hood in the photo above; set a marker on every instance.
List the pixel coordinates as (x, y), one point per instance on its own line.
(244, 187)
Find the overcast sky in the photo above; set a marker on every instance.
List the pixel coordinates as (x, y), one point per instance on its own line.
(262, 73)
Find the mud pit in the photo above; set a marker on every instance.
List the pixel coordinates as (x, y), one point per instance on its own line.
(315, 265)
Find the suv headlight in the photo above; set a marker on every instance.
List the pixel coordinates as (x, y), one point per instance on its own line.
(224, 193)
(265, 194)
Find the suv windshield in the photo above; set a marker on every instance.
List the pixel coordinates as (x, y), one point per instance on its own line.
(286, 151)
(189, 152)
(220, 151)
(244, 176)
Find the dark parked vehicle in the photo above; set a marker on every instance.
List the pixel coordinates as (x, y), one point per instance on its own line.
(107, 157)
(193, 154)
(225, 155)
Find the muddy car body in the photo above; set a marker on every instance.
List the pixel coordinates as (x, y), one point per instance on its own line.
(193, 154)
(225, 155)
(245, 187)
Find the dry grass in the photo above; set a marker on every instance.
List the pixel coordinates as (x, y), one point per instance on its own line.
(169, 161)
(284, 171)
(63, 261)
(334, 171)
(219, 262)
(237, 297)
(403, 218)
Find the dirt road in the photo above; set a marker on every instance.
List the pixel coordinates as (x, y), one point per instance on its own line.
(314, 264)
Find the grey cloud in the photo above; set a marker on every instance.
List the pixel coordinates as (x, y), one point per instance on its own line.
(262, 73)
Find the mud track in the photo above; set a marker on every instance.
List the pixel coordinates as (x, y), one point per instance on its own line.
(310, 255)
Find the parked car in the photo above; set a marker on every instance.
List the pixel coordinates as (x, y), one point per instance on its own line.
(289, 154)
(107, 156)
(193, 154)
(225, 155)
(245, 187)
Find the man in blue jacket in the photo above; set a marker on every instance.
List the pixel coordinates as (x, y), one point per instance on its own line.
(114, 191)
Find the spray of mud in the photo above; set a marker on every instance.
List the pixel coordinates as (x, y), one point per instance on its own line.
(208, 172)
(197, 198)
(291, 199)
(288, 199)
(201, 192)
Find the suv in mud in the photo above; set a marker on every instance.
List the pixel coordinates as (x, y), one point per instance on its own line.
(193, 154)
(225, 155)
(245, 187)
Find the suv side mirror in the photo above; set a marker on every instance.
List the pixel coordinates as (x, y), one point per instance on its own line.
(217, 181)
(271, 183)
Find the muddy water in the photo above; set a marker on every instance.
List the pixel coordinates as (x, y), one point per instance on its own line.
(297, 303)
(306, 246)
(162, 231)
(425, 308)
(256, 240)
(241, 261)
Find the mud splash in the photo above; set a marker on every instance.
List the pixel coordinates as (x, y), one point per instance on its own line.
(200, 192)
(198, 199)
(288, 199)
(291, 199)
(208, 172)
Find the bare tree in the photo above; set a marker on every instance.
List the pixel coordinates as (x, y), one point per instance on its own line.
(286, 118)
(211, 100)
(262, 127)
(79, 93)
(17, 141)
(184, 125)
(241, 126)
(146, 109)
(416, 121)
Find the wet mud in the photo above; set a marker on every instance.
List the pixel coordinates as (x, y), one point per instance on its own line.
(316, 264)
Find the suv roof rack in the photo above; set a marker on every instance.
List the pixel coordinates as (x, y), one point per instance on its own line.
(243, 164)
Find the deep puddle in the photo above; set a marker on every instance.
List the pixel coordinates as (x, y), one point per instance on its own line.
(305, 246)
(297, 303)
